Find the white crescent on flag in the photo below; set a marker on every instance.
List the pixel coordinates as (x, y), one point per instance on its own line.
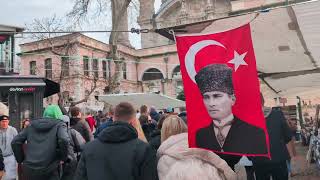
(191, 55)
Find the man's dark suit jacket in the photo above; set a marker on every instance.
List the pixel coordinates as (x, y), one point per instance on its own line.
(242, 138)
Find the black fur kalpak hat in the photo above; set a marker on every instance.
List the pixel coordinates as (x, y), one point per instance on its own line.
(215, 77)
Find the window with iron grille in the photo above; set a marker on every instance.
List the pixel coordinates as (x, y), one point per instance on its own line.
(48, 68)
(33, 66)
(104, 69)
(65, 66)
(95, 68)
(124, 70)
(86, 65)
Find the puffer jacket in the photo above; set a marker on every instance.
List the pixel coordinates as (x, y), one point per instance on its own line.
(179, 162)
(48, 144)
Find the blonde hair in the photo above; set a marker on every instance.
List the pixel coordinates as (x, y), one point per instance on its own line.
(172, 125)
(136, 124)
(193, 169)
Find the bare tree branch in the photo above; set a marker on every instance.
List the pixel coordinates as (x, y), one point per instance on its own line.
(79, 10)
(118, 8)
(64, 49)
(87, 97)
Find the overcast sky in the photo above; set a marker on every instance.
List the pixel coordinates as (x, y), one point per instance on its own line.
(21, 12)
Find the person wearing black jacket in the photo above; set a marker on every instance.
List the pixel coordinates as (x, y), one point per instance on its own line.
(79, 124)
(155, 137)
(48, 144)
(117, 153)
(279, 135)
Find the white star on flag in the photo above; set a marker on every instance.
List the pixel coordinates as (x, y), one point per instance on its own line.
(238, 60)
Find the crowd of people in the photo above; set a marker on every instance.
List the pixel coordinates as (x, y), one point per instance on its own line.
(126, 143)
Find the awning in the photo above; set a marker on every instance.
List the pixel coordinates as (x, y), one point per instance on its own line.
(286, 43)
(137, 99)
(51, 88)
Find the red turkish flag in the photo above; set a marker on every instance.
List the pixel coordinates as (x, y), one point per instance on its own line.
(246, 134)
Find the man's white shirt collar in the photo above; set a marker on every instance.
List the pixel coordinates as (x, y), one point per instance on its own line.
(224, 121)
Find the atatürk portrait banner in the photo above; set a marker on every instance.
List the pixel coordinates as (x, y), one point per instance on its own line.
(222, 92)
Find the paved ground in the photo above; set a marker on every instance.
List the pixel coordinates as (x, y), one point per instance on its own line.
(303, 170)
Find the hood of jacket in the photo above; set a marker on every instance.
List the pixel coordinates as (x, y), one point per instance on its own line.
(177, 148)
(44, 124)
(118, 132)
(52, 111)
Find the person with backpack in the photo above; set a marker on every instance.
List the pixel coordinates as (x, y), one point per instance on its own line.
(77, 142)
(47, 147)
(79, 124)
(179, 162)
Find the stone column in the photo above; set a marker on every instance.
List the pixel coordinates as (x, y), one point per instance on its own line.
(78, 72)
(145, 22)
(183, 16)
(210, 9)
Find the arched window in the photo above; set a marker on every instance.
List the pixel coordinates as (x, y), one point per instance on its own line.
(176, 72)
(152, 74)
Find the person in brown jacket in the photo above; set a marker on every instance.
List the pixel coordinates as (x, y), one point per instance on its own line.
(79, 124)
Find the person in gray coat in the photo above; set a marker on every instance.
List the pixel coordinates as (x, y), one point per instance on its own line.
(7, 133)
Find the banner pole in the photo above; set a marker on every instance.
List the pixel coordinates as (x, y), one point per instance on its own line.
(171, 31)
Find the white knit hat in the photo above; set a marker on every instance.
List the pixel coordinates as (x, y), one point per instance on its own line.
(4, 109)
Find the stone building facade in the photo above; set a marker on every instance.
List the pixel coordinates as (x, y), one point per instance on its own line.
(146, 70)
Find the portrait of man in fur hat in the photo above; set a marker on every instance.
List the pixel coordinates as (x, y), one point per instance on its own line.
(226, 133)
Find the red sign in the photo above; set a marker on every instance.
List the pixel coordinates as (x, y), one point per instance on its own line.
(3, 38)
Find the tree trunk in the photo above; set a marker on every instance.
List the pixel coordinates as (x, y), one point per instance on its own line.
(118, 9)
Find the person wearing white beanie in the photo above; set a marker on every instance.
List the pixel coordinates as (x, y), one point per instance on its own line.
(4, 109)
(7, 133)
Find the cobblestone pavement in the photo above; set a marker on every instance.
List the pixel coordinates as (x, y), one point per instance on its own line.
(302, 169)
